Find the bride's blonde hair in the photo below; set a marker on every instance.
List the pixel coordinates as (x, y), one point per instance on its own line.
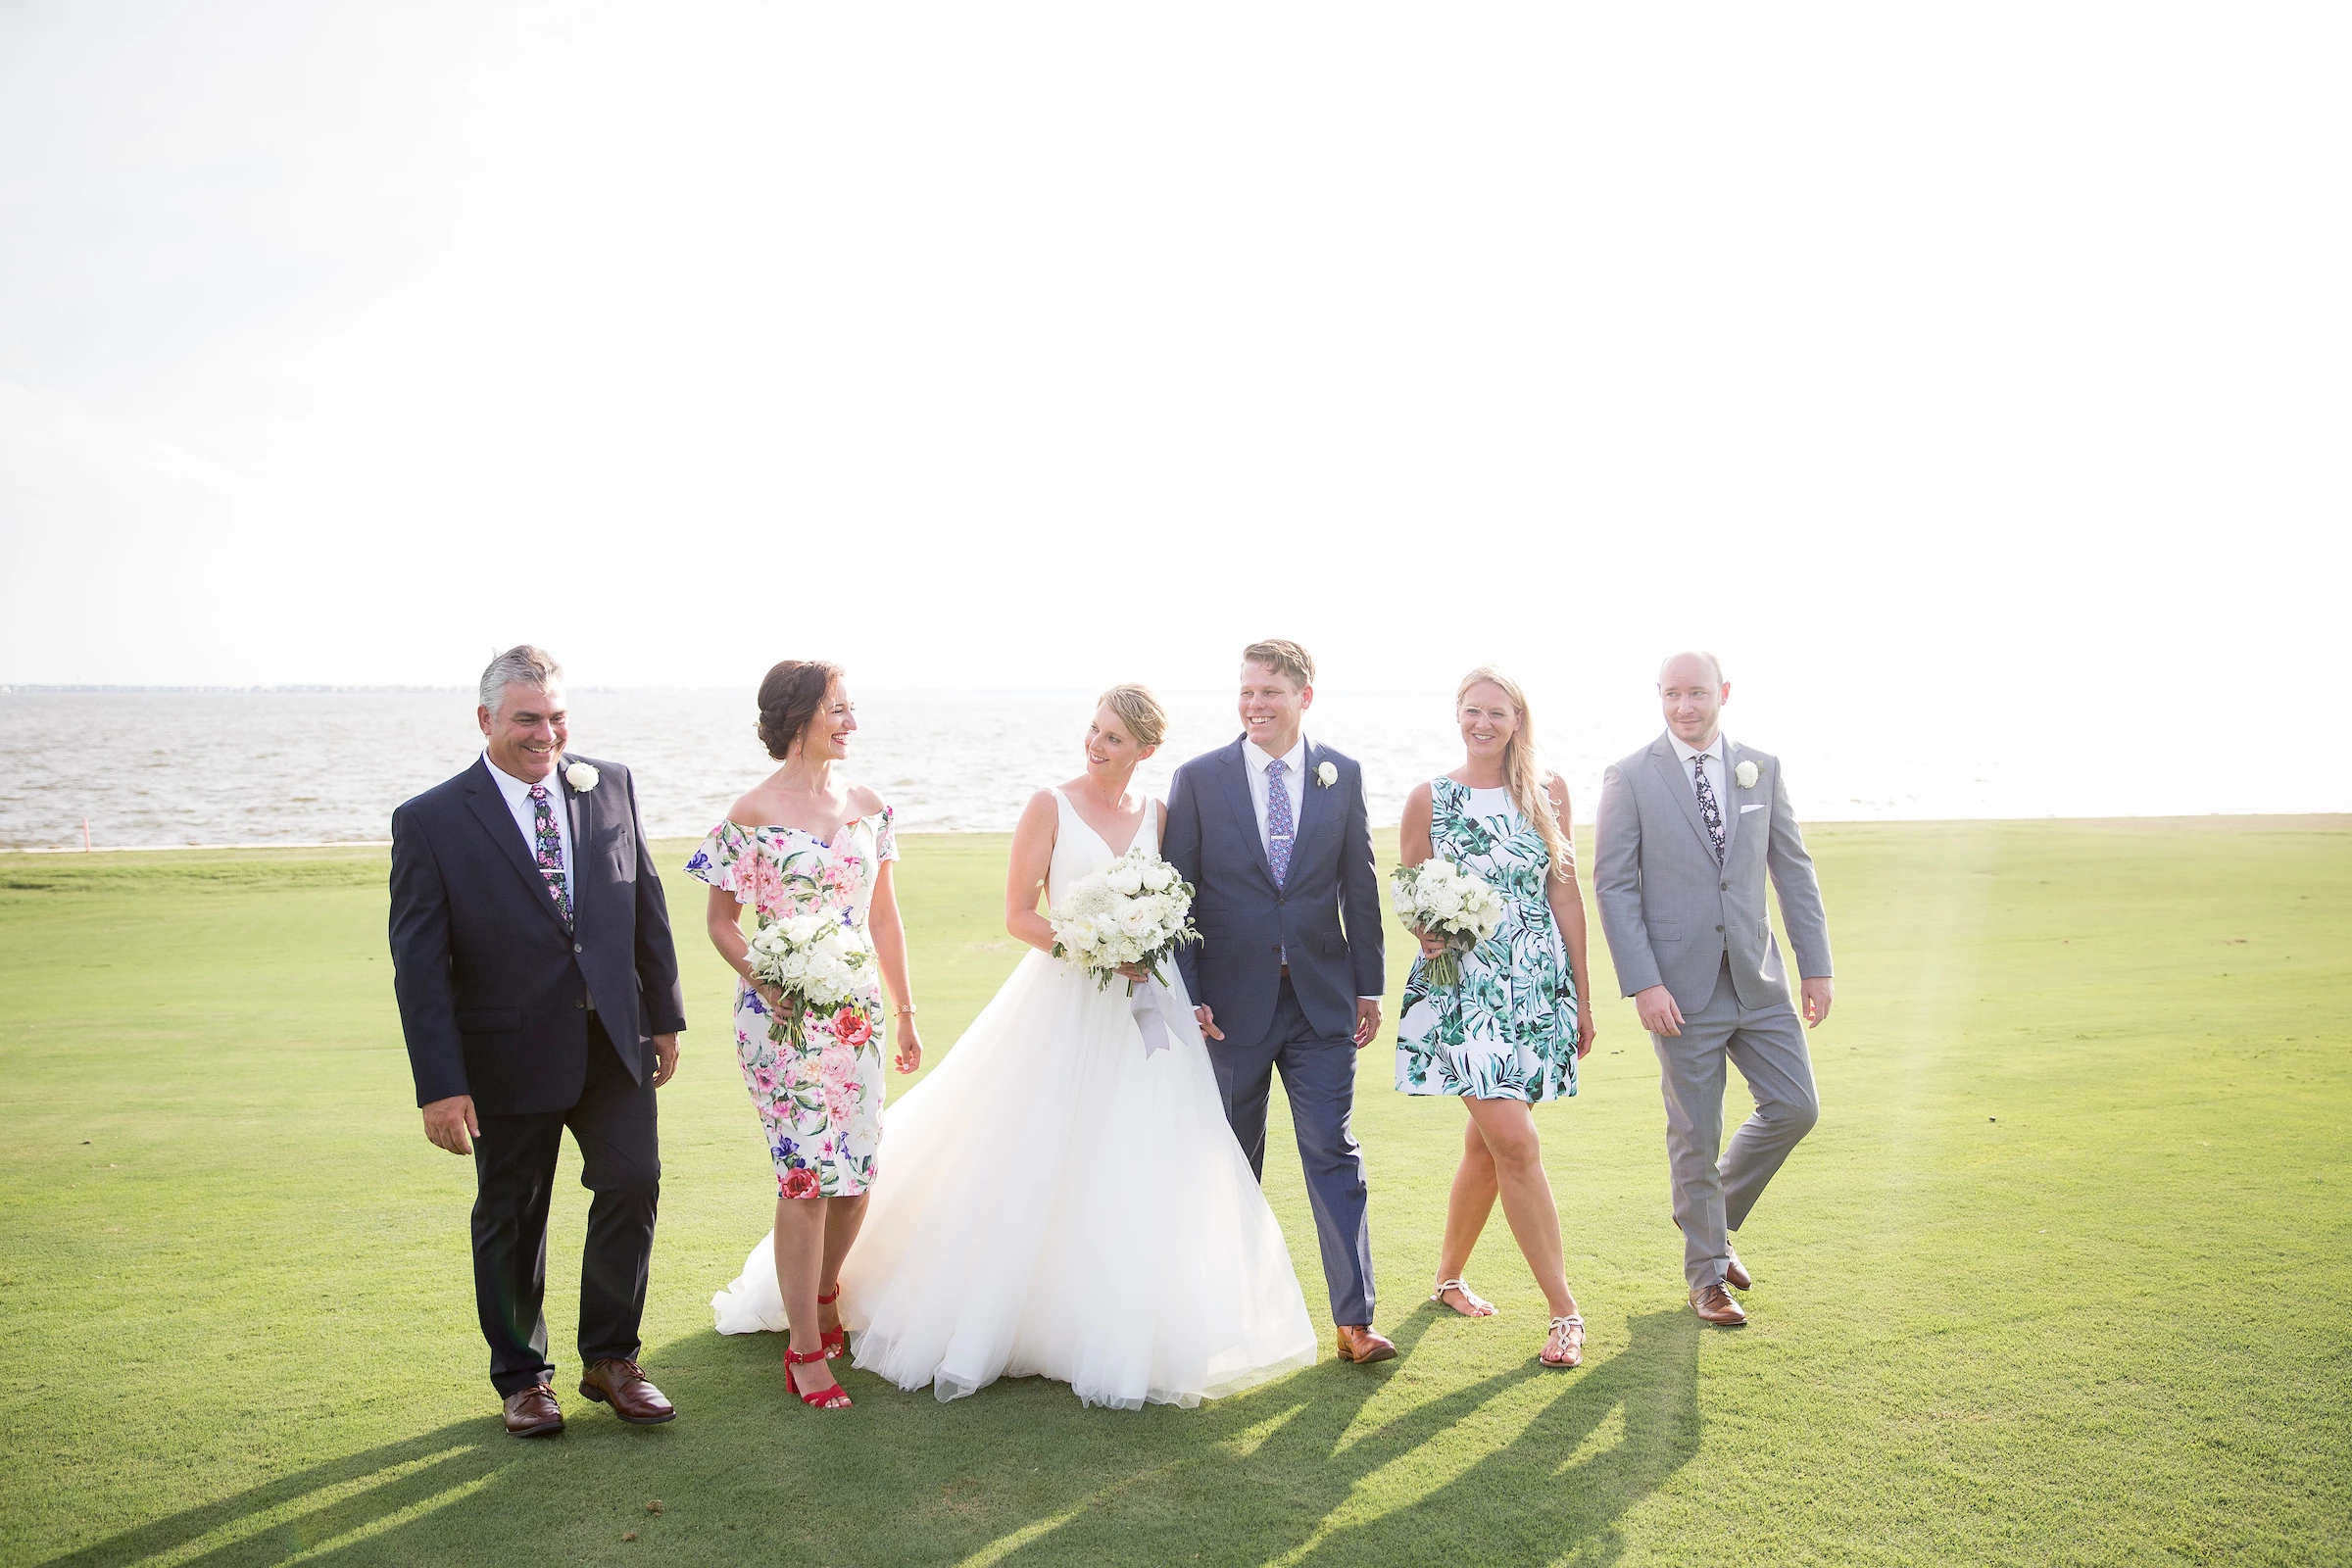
(1521, 772)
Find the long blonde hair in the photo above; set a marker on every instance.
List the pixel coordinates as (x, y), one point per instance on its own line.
(1523, 773)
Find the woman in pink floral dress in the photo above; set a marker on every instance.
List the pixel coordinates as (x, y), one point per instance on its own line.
(807, 840)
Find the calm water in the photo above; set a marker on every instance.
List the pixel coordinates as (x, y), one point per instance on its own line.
(288, 768)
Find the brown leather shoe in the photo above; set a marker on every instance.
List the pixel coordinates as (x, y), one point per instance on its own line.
(1714, 1305)
(1358, 1344)
(1735, 1272)
(534, 1413)
(623, 1386)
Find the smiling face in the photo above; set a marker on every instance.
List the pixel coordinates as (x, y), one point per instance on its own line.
(826, 736)
(1693, 691)
(1489, 720)
(1111, 751)
(526, 737)
(1272, 708)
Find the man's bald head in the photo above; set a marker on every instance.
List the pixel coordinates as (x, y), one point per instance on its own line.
(1693, 691)
(1700, 664)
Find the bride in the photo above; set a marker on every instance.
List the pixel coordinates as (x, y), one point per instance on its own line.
(1055, 1200)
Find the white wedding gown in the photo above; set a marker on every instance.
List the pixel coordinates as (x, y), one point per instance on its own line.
(1054, 1202)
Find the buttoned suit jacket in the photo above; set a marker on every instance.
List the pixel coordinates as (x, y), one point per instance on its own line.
(493, 983)
(1326, 914)
(1671, 914)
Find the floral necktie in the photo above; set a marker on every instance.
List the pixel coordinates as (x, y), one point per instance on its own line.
(551, 849)
(1279, 831)
(1707, 808)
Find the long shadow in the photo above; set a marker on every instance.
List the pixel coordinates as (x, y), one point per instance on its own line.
(1305, 1495)
(1294, 1472)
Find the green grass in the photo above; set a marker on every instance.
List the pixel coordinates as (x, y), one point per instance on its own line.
(2058, 1279)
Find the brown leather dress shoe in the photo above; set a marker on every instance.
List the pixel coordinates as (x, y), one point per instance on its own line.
(534, 1413)
(1735, 1272)
(623, 1386)
(1714, 1305)
(1358, 1344)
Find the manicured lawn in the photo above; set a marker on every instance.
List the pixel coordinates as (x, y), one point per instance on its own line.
(2060, 1278)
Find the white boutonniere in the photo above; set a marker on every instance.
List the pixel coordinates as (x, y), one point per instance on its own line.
(1327, 775)
(1745, 773)
(582, 777)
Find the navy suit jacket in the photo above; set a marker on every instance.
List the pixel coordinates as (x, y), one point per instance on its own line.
(492, 984)
(1326, 914)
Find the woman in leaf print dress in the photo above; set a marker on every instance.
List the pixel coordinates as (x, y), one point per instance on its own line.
(1508, 1036)
(804, 840)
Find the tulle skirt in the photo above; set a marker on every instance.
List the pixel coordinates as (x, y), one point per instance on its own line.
(1054, 1202)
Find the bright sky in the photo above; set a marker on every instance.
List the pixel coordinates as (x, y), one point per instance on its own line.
(1970, 366)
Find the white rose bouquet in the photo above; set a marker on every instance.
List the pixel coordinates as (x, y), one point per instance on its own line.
(1134, 910)
(822, 963)
(1442, 899)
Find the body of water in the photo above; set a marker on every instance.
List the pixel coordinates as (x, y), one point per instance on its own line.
(178, 767)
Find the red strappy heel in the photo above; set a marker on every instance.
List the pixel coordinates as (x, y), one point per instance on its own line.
(835, 1398)
(837, 1341)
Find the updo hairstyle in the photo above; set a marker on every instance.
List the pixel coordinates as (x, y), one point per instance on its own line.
(789, 697)
(1146, 720)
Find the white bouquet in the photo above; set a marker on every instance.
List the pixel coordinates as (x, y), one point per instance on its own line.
(1442, 899)
(819, 960)
(1134, 910)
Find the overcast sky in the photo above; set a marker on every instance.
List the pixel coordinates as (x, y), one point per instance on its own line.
(1977, 366)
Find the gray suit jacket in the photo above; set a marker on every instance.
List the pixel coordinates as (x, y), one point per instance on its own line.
(1671, 912)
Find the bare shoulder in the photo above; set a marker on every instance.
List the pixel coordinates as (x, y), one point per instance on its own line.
(1042, 805)
(1557, 788)
(752, 811)
(1416, 798)
(865, 801)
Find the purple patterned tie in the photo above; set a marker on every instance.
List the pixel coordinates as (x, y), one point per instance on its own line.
(551, 849)
(1279, 831)
(1707, 808)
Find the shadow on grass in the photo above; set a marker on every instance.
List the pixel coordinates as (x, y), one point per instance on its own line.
(1333, 1464)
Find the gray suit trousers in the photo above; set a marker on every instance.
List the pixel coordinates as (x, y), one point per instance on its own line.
(1769, 1044)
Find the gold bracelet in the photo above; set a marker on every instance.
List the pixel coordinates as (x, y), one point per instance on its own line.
(901, 1013)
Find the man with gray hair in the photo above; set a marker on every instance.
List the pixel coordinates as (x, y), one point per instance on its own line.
(538, 990)
(1689, 830)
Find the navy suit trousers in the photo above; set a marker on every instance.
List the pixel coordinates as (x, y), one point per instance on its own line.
(1318, 1075)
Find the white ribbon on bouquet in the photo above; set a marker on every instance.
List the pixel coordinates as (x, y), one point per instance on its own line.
(1161, 1016)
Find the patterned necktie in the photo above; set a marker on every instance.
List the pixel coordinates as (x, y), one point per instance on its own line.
(1707, 808)
(551, 849)
(1279, 831)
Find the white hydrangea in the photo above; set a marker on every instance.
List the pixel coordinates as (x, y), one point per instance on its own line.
(1442, 899)
(1134, 910)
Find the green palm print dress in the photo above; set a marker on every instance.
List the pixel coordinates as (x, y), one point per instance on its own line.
(1508, 1030)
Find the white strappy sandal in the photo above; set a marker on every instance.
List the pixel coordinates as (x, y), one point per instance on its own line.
(1573, 1326)
(1480, 1306)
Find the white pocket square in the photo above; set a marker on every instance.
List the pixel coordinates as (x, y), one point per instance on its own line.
(1757, 807)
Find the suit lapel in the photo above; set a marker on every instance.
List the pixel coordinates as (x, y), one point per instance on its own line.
(1679, 785)
(1731, 787)
(582, 808)
(490, 809)
(1236, 793)
(1312, 808)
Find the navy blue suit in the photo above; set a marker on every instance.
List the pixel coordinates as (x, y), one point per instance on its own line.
(1297, 1019)
(547, 1024)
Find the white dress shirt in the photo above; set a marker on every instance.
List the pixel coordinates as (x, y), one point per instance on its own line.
(1719, 772)
(1261, 780)
(518, 802)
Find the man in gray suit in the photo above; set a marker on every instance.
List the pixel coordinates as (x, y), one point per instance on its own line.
(1688, 829)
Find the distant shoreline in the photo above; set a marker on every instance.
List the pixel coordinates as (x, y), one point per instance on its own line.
(2314, 822)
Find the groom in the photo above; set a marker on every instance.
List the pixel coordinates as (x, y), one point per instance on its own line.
(538, 991)
(1689, 830)
(1273, 832)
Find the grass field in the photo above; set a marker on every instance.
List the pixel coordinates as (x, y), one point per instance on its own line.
(2061, 1277)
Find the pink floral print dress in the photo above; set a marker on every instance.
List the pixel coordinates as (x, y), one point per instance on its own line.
(820, 1102)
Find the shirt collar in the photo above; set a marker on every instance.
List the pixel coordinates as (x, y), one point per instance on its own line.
(1719, 750)
(1258, 757)
(516, 789)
